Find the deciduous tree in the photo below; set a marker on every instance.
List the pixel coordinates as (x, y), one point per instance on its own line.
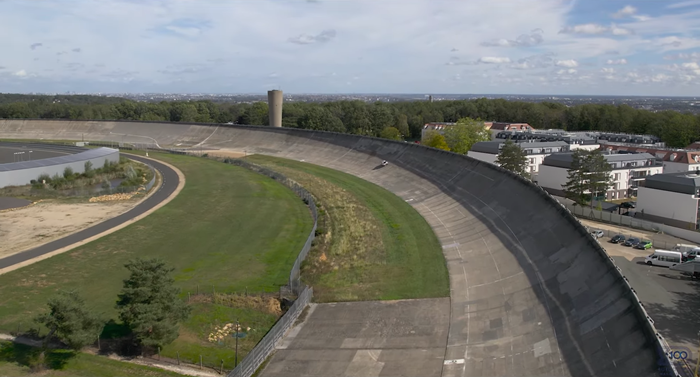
(390, 133)
(513, 158)
(464, 134)
(436, 140)
(149, 304)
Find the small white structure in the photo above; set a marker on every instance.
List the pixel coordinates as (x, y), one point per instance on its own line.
(628, 170)
(670, 199)
(536, 152)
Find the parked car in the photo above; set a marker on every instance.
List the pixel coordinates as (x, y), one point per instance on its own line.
(629, 205)
(643, 245)
(597, 233)
(632, 241)
(691, 254)
(618, 239)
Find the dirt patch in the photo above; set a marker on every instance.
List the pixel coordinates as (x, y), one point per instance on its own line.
(49, 220)
(218, 153)
(265, 304)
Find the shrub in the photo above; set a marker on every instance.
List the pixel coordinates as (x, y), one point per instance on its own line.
(89, 172)
(68, 173)
(44, 178)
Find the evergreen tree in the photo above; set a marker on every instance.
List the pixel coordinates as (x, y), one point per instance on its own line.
(70, 321)
(149, 304)
(513, 158)
(588, 175)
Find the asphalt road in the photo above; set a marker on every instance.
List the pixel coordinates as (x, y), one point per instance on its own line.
(170, 182)
(7, 151)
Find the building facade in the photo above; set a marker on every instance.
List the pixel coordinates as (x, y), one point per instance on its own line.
(671, 199)
(536, 152)
(628, 170)
(673, 160)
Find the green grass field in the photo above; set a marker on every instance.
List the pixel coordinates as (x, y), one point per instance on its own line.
(229, 230)
(15, 360)
(372, 244)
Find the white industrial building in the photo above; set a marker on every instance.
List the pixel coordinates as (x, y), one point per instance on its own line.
(671, 199)
(21, 173)
(536, 152)
(628, 170)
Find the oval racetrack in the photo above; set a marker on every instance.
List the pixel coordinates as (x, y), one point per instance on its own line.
(532, 294)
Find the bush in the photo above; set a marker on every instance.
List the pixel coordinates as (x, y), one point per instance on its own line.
(44, 178)
(68, 173)
(89, 172)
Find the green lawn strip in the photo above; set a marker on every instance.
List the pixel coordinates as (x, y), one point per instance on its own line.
(15, 359)
(229, 230)
(189, 346)
(410, 263)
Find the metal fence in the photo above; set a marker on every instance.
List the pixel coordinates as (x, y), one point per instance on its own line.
(266, 346)
(612, 218)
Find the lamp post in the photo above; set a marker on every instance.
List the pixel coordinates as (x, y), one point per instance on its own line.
(235, 364)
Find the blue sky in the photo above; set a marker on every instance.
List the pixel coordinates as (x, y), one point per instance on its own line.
(597, 47)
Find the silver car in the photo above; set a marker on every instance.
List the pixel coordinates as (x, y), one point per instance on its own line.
(597, 233)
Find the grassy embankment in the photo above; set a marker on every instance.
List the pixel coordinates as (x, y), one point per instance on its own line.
(230, 230)
(371, 244)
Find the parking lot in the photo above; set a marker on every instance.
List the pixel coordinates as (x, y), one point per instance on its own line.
(659, 241)
(671, 299)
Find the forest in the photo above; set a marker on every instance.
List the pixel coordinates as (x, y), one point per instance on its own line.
(358, 117)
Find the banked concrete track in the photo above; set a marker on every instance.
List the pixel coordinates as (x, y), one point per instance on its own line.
(531, 293)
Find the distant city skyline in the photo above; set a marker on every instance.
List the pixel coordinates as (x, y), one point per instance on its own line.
(505, 47)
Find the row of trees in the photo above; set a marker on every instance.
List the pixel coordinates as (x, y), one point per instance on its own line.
(358, 117)
(148, 306)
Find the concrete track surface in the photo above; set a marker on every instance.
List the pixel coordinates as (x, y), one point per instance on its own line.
(531, 293)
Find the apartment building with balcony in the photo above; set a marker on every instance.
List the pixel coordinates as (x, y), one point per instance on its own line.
(673, 160)
(575, 140)
(671, 199)
(628, 170)
(536, 152)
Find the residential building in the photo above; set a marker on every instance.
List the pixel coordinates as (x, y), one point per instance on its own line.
(536, 151)
(670, 198)
(674, 160)
(505, 126)
(435, 126)
(639, 140)
(627, 171)
(575, 140)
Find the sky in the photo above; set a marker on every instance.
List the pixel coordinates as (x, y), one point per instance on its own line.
(558, 47)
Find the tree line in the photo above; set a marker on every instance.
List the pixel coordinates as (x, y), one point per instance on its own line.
(358, 117)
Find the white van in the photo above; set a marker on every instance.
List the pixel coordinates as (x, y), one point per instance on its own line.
(664, 258)
(683, 248)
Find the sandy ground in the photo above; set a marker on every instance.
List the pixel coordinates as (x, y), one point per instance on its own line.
(219, 153)
(43, 222)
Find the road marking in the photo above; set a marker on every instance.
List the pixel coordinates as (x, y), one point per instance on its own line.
(454, 361)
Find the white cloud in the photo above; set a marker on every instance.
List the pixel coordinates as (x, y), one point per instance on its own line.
(628, 10)
(607, 70)
(20, 73)
(684, 4)
(493, 60)
(214, 46)
(683, 56)
(566, 63)
(616, 62)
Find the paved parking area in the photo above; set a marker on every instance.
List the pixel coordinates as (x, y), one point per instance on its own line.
(673, 302)
(660, 241)
(372, 339)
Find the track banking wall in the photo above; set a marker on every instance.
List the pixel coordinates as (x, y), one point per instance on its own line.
(598, 325)
(21, 173)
